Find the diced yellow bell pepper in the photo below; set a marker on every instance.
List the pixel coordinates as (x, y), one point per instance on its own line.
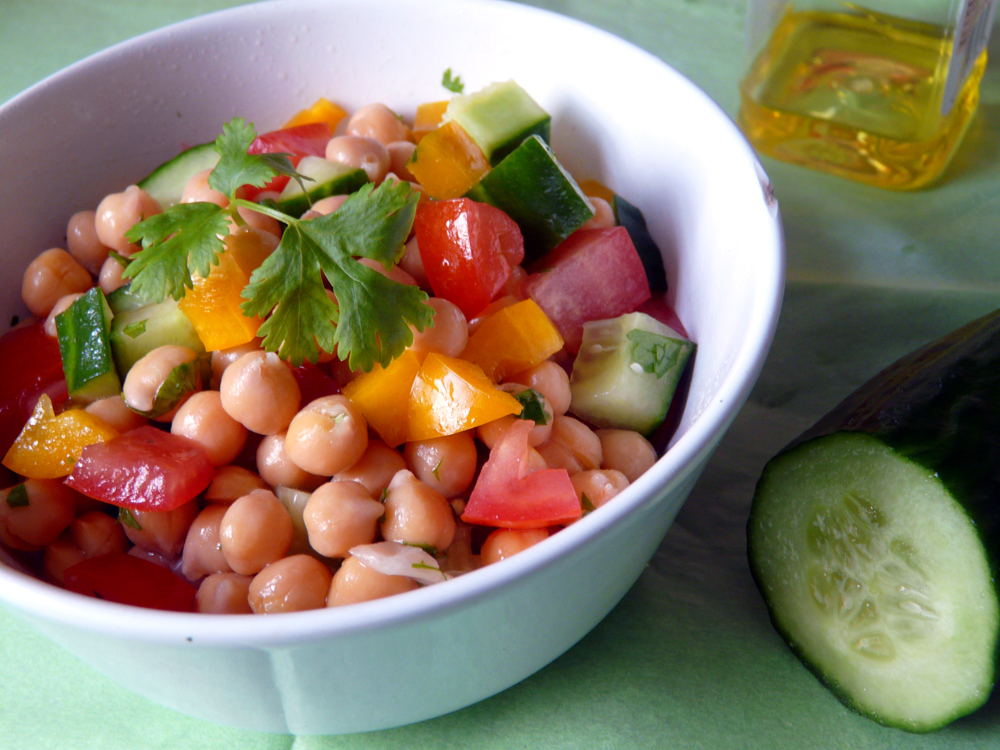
(50, 445)
(213, 305)
(513, 339)
(595, 189)
(383, 396)
(447, 162)
(428, 118)
(322, 111)
(452, 395)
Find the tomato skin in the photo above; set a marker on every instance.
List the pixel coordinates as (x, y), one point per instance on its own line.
(505, 497)
(297, 141)
(594, 274)
(657, 307)
(143, 469)
(313, 382)
(467, 249)
(20, 387)
(125, 579)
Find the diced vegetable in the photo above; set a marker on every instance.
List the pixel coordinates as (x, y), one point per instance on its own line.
(499, 118)
(383, 396)
(135, 333)
(322, 110)
(512, 340)
(297, 141)
(84, 330)
(324, 178)
(166, 183)
(447, 162)
(21, 386)
(428, 118)
(125, 579)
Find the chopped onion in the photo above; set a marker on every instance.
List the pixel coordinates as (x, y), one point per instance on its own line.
(395, 559)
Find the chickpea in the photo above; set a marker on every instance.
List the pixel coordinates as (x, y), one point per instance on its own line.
(550, 380)
(379, 122)
(626, 451)
(202, 419)
(355, 582)
(260, 222)
(222, 358)
(581, 441)
(50, 276)
(604, 215)
(446, 464)
(341, 515)
(293, 584)
(224, 594)
(202, 553)
(83, 243)
(448, 334)
(458, 558)
(256, 530)
(375, 469)
(555, 455)
(162, 531)
(58, 309)
(599, 485)
(35, 513)
(417, 514)
(504, 543)
(413, 264)
(277, 469)
(110, 277)
(329, 435)
(144, 380)
(96, 533)
(119, 212)
(259, 391)
(231, 483)
(325, 206)
(395, 273)
(116, 413)
(197, 189)
(59, 556)
(360, 152)
(400, 153)
(158, 558)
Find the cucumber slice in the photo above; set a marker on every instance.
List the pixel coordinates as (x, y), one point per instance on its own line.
(167, 181)
(135, 333)
(123, 299)
(499, 118)
(324, 178)
(84, 331)
(627, 371)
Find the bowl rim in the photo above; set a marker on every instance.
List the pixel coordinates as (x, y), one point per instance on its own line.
(43, 601)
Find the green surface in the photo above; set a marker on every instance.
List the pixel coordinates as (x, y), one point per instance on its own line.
(688, 660)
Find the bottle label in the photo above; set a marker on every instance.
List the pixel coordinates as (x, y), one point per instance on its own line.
(972, 32)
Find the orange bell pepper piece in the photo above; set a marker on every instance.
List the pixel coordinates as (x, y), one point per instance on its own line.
(596, 189)
(383, 396)
(322, 111)
(447, 162)
(428, 118)
(513, 339)
(50, 445)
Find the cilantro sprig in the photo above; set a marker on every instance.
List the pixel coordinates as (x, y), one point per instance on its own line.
(369, 319)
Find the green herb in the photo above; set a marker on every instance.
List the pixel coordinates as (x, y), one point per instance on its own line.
(533, 406)
(122, 260)
(425, 566)
(236, 167)
(125, 518)
(18, 496)
(586, 503)
(383, 495)
(434, 471)
(652, 352)
(452, 83)
(135, 330)
(432, 551)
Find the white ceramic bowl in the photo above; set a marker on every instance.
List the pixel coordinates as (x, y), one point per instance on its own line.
(619, 115)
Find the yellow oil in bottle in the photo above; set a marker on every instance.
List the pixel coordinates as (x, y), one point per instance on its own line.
(857, 94)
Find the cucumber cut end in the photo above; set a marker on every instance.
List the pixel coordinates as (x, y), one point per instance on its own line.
(876, 577)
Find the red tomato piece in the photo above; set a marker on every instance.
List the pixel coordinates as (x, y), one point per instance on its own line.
(657, 307)
(144, 469)
(467, 249)
(505, 497)
(313, 382)
(594, 274)
(124, 579)
(298, 141)
(20, 387)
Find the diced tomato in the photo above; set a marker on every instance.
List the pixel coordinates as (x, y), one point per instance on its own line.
(125, 579)
(467, 249)
(657, 307)
(313, 382)
(20, 386)
(594, 274)
(298, 141)
(504, 496)
(144, 469)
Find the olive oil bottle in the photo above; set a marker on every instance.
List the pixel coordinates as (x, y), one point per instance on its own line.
(862, 93)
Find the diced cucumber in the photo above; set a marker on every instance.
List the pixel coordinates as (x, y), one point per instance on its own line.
(874, 538)
(84, 330)
(323, 179)
(630, 217)
(499, 118)
(135, 333)
(537, 192)
(123, 299)
(167, 181)
(627, 371)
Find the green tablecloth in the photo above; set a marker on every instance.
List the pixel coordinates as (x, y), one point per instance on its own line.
(688, 659)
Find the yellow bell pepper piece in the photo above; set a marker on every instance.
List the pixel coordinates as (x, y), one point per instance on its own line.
(452, 395)
(383, 396)
(448, 162)
(428, 118)
(513, 339)
(322, 111)
(596, 189)
(50, 445)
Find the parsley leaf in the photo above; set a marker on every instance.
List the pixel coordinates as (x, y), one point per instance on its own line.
(452, 83)
(236, 167)
(17, 497)
(533, 406)
(126, 518)
(653, 352)
(586, 504)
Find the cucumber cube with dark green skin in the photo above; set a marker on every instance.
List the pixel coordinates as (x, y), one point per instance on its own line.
(123, 299)
(537, 192)
(166, 182)
(630, 217)
(499, 118)
(135, 333)
(84, 331)
(322, 178)
(626, 372)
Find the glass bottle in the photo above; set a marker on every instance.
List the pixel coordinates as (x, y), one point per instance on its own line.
(881, 92)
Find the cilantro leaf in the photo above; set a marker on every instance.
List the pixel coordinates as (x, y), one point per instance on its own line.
(17, 497)
(186, 237)
(452, 83)
(533, 406)
(236, 167)
(652, 352)
(126, 518)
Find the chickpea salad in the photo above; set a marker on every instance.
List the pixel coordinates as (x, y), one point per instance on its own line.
(332, 362)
